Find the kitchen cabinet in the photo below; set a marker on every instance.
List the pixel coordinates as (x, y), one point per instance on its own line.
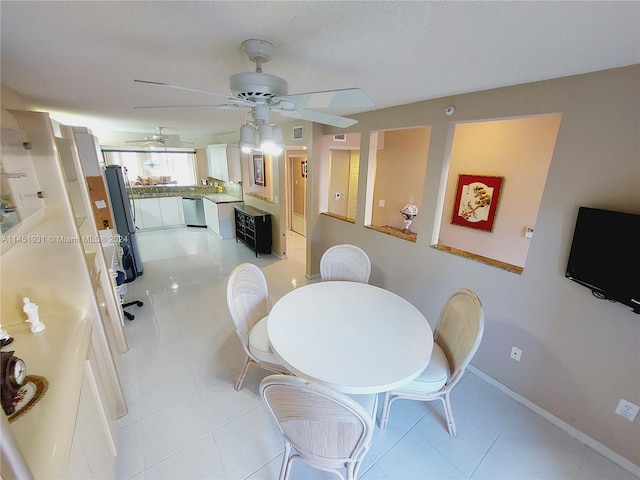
(150, 213)
(253, 228)
(220, 218)
(171, 211)
(137, 214)
(211, 216)
(158, 212)
(223, 162)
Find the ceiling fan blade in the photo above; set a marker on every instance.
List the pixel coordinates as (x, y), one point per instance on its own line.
(346, 98)
(223, 106)
(188, 89)
(142, 143)
(318, 117)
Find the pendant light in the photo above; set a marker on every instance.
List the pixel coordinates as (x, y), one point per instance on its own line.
(260, 134)
(247, 138)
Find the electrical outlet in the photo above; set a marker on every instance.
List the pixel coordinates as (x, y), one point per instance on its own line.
(381, 203)
(627, 409)
(516, 353)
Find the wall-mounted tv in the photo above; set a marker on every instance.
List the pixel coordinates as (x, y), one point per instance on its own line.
(605, 255)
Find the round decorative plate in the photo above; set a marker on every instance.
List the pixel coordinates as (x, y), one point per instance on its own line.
(28, 395)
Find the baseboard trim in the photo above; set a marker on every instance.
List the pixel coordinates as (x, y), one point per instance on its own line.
(574, 432)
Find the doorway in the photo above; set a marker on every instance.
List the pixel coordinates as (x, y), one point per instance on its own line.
(297, 195)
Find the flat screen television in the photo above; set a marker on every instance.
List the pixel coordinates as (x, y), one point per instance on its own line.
(605, 255)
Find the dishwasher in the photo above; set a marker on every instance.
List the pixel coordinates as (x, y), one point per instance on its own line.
(193, 212)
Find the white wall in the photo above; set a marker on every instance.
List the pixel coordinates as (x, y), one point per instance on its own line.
(580, 354)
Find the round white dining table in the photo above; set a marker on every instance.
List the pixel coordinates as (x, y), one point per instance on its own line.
(354, 337)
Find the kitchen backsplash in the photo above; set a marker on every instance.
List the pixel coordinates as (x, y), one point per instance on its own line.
(230, 188)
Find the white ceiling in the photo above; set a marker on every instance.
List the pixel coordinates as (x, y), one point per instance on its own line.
(82, 57)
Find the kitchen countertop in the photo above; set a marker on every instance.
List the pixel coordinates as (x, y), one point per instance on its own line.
(213, 197)
(221, 198)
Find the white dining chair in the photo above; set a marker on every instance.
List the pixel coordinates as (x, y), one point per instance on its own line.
(326, 428)
(248, 304)
(456, 339)
(345, 262)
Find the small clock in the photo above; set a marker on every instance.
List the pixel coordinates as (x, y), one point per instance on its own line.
(13, 375)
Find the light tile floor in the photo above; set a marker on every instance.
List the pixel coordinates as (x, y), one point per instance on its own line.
(186, 421)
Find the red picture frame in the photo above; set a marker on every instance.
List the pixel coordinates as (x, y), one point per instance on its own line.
(476, 201)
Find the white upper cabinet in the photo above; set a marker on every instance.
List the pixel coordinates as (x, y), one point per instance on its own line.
(223, 162)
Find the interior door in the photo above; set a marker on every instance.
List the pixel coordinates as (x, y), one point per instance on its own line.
(298, 193)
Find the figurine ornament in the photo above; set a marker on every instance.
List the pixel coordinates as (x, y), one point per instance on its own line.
(31, 309)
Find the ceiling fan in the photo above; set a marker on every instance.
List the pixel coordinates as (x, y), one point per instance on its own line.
(160, 140)
(262, 93)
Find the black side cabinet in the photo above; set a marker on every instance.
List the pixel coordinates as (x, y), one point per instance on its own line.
(253, 228)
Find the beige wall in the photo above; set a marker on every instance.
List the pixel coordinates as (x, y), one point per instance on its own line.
(400, 169)
(339, 181)
(11, 99)
(580, 354)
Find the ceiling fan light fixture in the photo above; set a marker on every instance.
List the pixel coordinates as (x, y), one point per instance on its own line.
(247, 138)
(277, 135)
(278, 141)
(271, 149)
(264, 92)
(265, 134)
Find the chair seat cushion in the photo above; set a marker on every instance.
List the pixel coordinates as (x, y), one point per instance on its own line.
(434, 376)
(259, 344)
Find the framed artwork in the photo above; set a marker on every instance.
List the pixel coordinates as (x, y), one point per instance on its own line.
(476, 201)
(258, 170)
(303, 165)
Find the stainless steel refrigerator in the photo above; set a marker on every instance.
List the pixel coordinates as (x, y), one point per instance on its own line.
(123, 218)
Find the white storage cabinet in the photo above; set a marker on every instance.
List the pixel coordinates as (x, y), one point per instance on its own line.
(220, 218)
(223, 162)
(158, 212)
(52, 256)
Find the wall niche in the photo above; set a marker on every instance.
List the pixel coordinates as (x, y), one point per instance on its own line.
(399, 158)
(517, 150)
